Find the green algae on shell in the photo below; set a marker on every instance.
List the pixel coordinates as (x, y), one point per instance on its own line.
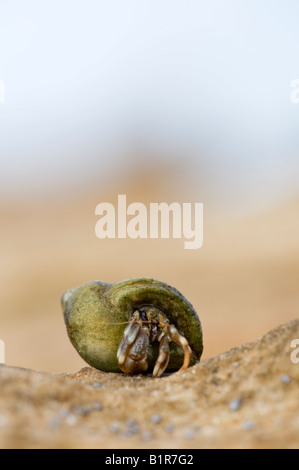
(96, 314)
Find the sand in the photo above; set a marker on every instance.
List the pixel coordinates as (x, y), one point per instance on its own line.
(244, 398)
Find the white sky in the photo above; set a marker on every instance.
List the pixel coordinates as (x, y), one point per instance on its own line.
(212, 78)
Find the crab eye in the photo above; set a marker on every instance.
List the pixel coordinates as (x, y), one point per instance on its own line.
(151, 313)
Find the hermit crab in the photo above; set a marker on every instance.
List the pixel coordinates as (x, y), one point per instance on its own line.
(134, 326)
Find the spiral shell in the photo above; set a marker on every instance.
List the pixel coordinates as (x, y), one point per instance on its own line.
(96, 314)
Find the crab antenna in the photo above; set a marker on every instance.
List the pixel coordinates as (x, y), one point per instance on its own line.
(118, 323)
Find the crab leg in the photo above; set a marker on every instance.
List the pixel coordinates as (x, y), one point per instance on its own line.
(183, 343)
(163, 357)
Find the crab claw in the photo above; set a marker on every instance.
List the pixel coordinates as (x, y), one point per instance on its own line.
(133, 348)
(171, 333)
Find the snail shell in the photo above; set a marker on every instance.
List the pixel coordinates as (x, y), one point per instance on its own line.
(96, 314)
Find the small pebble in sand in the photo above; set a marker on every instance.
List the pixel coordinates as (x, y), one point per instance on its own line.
(248, 425)
(133, 427)
(97, 406)
(55, 423)
(285, 379)
(169, 427)
(235, 404)
(131, 422)
(147, 435)
(71, 420)
(156, 419)
(189, 434)
(82, 410)
(132, 430)
(114, 427)
(97, 385)
(64, 412)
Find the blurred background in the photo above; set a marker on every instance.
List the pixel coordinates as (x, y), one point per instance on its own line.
(162, 101)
